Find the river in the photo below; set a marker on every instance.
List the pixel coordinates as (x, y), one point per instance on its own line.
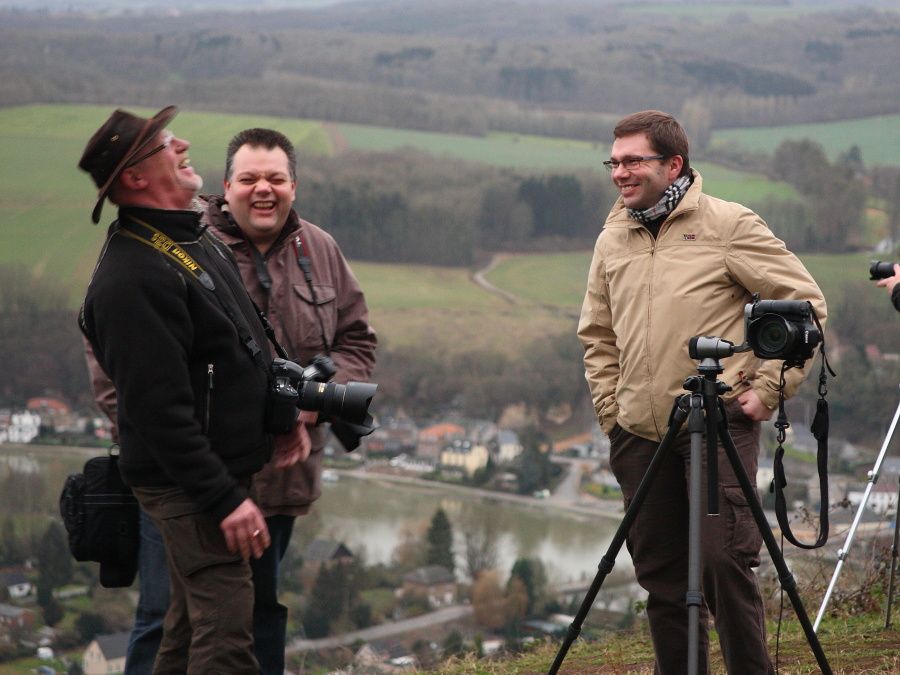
(373, 515)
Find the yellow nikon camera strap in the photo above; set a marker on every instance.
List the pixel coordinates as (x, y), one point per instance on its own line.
(164, 244)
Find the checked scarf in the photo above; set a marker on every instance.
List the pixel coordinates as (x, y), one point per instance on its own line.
(664, 206)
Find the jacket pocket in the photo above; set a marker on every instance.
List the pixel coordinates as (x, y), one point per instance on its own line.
(197, 542)
(743, 534)
(309, 314)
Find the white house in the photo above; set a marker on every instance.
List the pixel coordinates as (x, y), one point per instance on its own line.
(23, 427)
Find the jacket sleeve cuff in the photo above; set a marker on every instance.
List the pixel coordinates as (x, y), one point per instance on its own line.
(767, 394)
(229, 503)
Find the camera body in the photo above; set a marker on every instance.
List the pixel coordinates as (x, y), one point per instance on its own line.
(781, 329)
(880, 270)
(294, 387)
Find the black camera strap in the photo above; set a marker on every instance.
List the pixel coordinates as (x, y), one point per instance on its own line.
(819, 429)
(305, 263)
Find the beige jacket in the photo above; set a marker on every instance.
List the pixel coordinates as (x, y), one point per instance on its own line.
(646, 298)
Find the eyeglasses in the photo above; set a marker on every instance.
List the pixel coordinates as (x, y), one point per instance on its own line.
(629, 163)
(167, 141)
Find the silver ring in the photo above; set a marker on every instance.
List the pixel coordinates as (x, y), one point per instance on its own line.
(255, 533)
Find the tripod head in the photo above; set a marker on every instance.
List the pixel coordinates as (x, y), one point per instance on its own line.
(709, 350)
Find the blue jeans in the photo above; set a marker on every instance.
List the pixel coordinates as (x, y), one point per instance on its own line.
(153, 584)
(269, 616)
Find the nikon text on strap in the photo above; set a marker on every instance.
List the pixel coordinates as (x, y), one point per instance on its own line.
(147, 234)
(152, 237)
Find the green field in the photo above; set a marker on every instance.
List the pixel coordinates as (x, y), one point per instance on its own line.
(716, 12)
(559, 280)
(877, 137)
(501, 149)
(46, 201)
(45, 225)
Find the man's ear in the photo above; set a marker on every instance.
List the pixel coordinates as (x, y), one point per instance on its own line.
(675, 167)
(133, 179)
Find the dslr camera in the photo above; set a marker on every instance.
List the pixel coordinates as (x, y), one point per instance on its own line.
(774, 329)
(781, 329)
(880, 270)
(294, 387)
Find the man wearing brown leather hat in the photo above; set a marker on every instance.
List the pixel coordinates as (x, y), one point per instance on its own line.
(169, 321)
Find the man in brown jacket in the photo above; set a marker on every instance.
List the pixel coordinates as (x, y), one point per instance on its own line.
(296, 274)
(672, 263)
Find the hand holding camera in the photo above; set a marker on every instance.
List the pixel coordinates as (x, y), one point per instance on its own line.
(294, 387)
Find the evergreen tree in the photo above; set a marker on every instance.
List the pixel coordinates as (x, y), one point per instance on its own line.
(54, 557)
(440, 541)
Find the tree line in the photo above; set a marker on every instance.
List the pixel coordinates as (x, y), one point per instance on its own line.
(408, 207)
(573, 78)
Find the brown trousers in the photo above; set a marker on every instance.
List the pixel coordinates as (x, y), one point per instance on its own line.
(209, 625)
(730, 545)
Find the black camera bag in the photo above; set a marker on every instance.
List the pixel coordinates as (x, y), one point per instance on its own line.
(101, 516)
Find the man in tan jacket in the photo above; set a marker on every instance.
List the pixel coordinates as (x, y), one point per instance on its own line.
(672, 263)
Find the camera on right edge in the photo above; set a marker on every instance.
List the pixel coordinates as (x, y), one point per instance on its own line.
(880, 270)
(782, 329)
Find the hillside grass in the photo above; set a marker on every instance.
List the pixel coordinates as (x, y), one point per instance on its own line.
(877, 137)
(717, 12)
(559, 279)
(45, 223)
(853, 645)
(45, 220)
(500, 149)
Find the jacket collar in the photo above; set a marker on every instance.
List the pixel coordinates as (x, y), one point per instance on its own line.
(216, 215)
(177, 224)
(690, 202)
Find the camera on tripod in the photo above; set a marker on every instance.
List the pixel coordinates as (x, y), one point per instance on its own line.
(773, 329)
(880, 270)
(294, 387)
(782, 329)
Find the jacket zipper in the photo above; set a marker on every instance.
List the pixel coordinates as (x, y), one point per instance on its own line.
(210, 369)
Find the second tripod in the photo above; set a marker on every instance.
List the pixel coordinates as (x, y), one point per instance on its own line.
(704, 398)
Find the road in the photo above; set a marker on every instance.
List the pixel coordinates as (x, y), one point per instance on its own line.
(384, 630)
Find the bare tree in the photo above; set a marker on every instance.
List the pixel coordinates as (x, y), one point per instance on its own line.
(481, 546)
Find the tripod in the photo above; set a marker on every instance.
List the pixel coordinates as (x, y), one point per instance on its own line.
(845, 549)
(705, 396)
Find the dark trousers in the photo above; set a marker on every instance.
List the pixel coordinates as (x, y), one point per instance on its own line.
(208, 625)
(269, 615)
(731, 542)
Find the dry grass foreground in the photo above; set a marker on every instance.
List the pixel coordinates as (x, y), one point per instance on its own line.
(854, 645)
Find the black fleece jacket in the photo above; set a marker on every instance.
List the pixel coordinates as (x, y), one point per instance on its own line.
(191, 395)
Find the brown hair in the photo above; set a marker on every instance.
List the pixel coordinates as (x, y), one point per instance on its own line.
(666, 135)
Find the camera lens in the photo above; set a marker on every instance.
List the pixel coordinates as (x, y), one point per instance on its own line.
(881, 270)
(773, 336)
(349, 402)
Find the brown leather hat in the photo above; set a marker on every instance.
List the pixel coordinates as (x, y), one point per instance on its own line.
(115, 144)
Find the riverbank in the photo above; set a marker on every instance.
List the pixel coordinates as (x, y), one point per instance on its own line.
(586, 506)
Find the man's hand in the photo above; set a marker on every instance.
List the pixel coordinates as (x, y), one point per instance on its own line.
(753, 407)
(890, 282)
(295, 446)
(245, 530)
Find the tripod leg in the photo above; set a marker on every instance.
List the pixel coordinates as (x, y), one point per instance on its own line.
(608, 561)
(788, 583)
(845, 549)
(694, 596)
(894, 554)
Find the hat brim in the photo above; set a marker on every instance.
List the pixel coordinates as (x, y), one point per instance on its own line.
(153, 126)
